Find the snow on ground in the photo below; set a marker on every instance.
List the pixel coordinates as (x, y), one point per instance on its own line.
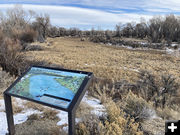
(18, 118)
(2, 107)
(131, 69)
(174, 44)
(169, 51)
(173, 52)
(23, 116)
(3, 123)
(98, 109)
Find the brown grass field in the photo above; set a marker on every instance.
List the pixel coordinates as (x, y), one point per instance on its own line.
(105, 61)
(109, 62)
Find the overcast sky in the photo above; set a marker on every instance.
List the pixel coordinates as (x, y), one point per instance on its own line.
(104, 14)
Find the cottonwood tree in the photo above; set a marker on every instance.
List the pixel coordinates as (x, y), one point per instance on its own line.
(118, 30)
(170, 28)
(128, 30)
(141, 30)
(74, 32)
(108, 34)
(155, 29)
(42, 24)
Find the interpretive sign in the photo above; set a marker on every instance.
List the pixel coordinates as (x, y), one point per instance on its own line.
(58, 88)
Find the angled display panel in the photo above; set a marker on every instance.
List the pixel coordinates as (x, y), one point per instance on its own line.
(49, 86)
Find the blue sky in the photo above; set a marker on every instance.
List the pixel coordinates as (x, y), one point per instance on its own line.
(104, 14)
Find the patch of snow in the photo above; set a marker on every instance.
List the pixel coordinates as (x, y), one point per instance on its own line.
(23, 116)
(98, 108)
(128, 47)
(20, 102)
(65, 128)
(169, 51)
(89, 64)
(109, 44)
(78, 120)
(3, 123)
(174, 45)
(63, 116)
(2, 107)
(151, 112)
(131, 69)
(143, 43)
(173, 52)
(18, 118)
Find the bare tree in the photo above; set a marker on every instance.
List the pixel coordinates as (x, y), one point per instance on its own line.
(42, 23)
(155, 29)
(118, 30)
(170, 28)
(128, 30)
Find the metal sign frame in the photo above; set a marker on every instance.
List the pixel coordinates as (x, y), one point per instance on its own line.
(71, 108)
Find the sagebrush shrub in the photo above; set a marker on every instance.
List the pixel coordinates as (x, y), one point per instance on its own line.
(137, 107)
(13, 61)
(10, 58)
(5, 81)
(33, 48)
(28, 35)
(90, 125)
(147, 85)
(159, 90)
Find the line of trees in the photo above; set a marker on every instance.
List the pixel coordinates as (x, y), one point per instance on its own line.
(157, 30)
(29, 26)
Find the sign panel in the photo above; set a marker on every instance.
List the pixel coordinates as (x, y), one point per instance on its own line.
(50, 86)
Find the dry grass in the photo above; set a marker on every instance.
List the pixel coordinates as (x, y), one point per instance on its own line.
(154, 127)
(41, 124)
(168, 113)
(106, 61)
(35, 106)
(48, 113)
(5, 81)
(16, 108)
(36, 126)
(83, 109)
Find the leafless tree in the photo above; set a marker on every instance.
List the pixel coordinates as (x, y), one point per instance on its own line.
(128, 30)
(118, 30)
(155, 30)
(42, 24)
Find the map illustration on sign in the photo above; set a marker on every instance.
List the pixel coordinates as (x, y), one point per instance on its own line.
(48, 85)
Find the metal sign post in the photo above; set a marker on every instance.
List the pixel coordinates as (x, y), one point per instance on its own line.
(73, 82)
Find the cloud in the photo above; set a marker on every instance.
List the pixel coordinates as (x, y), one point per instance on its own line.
(93, 13)
(80, 17)
(164, 5)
